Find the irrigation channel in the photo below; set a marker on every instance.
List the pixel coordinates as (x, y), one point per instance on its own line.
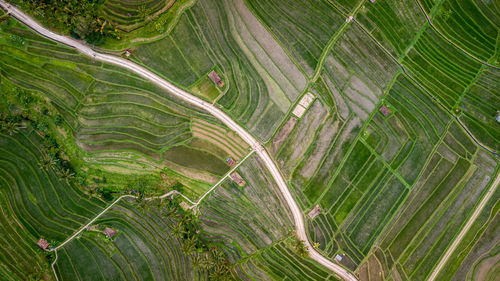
(210, 108)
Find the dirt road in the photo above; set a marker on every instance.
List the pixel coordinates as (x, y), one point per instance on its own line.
(188, 97)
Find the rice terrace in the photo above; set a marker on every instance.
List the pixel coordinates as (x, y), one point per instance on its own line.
(296, 140)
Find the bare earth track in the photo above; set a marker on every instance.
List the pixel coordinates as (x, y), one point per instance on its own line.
(186, 96)
(247, 137)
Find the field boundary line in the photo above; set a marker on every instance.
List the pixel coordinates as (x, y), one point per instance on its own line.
(326, 50)
(465, 229)
(451, 42)
(188, 97)
(407, 74)
(221, 180)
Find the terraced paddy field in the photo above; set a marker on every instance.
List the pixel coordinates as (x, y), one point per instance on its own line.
(144, 248)
(374, 172)
(261, 81)
(35, 203)
(394, 153)
(130, 15)
(254, 226)
(120, 123)
(477, 257)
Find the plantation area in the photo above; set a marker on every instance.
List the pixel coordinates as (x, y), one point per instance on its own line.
(120, 123)
(382, 154)
(478, 255)
(35, 203)
(389, 161)
(254, 226)
(150, 244)
(262, 82)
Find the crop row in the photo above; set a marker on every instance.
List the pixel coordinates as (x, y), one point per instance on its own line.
(280, 262)
(110, 110)
(476, 254)
(129, 15)
(143, 249)
(394, 23)
(290, 21)
(262, 82)
(247, 218)
(472, 25)
(35, 203)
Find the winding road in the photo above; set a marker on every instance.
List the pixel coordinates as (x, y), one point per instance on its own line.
(219, 114)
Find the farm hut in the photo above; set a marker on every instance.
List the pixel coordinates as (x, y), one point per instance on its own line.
(216, 78)
(237, 178)
(109, 232)
(314, 212)
(43, 244)
(184, 206)
(498, 117)
(338, 258)
(384, 110)
(127, 53)
(230, 161)
(373, 1)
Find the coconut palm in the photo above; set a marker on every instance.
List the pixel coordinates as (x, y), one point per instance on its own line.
(178, 229)
(189, 245)
(66, 174)
(10, 127)
(47, 162)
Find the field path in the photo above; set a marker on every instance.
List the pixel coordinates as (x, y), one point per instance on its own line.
(219, 114)
(466, 228)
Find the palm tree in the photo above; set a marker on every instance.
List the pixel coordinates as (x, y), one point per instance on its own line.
(143, 12)
(178, 229)
(188, 246)
(48, 162)
(10, 127)
(207, 260)
(300, 247)
(66, 174)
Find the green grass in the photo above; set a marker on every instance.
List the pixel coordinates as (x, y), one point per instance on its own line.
(205, 88)
(144, 248)
(110, 111)
(35, 203)
(261, 80)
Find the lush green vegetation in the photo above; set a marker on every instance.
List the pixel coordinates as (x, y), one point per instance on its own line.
(36, 202)
(291, 22)
(156, 240)
(108, 23)
(478, 251)
(394, 188)
(110, 122)
(261, 80)
(78, 18)
(376, 177)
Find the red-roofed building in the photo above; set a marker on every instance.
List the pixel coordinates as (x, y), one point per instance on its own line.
(314, 212)
(216, 78)
(109, 232)
(42, 243)
(384, 110)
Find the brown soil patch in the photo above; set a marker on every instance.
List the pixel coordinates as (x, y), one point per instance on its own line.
(283, 134)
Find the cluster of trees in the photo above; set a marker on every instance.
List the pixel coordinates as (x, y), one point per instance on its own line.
(21, 109)
(299, 247)
(186, 228)
(80, 18)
